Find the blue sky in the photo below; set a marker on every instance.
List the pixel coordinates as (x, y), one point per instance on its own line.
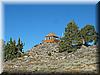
(31, 22)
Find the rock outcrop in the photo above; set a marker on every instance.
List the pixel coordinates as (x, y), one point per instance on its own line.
(46, 58)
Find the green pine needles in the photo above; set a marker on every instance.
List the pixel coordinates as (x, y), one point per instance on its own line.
(12, 50)
(73, 37)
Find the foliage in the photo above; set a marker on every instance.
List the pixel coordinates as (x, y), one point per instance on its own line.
(88, 33)
(73, 37)
(12, 50)
(70, 38)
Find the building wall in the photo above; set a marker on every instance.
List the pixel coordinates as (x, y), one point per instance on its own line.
(51, 41)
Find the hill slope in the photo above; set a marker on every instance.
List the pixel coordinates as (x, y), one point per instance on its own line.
(46, 58)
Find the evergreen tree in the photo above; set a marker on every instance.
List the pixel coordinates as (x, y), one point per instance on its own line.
(11, 50)
(70, 38)
(20, 45)
(6, 51)
(88, 33)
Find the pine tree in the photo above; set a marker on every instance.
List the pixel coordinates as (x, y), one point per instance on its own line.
(7, 51)
(20, 47)
(70, 38)
(11, 50)
(88, 33)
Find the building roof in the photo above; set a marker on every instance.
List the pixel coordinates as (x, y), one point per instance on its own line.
(51, 34)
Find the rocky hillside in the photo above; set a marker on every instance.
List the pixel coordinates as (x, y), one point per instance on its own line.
(46, 58)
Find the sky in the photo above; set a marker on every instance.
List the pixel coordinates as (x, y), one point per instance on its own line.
(31, 22)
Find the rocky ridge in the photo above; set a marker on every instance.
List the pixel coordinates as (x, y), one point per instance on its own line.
(46, 58)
